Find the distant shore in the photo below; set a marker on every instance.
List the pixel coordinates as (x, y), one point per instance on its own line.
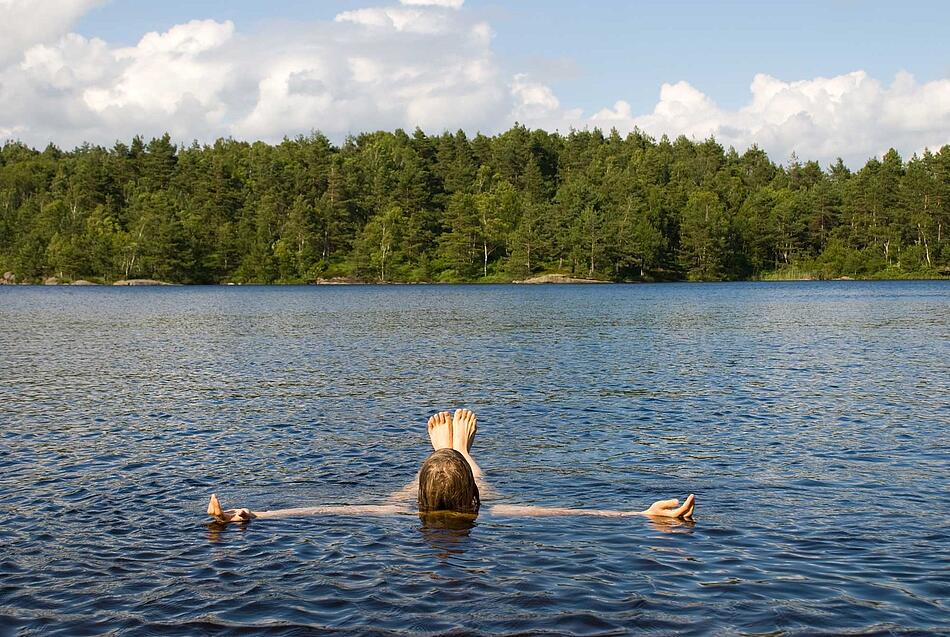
(545, 279)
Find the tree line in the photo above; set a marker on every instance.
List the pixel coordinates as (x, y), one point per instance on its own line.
(394, 206)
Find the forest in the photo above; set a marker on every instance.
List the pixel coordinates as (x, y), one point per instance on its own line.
(400, 207)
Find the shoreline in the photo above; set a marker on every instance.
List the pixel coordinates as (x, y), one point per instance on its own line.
(88, 284)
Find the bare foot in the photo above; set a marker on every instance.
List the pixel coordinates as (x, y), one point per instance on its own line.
(464, 427)
(440, 430)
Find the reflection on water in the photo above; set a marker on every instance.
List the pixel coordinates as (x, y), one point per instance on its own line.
(447, 521)
(672, 525)
(447, 534)
(810, 420)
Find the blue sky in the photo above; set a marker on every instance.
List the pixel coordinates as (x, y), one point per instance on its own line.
(821, 79)
(596, 52)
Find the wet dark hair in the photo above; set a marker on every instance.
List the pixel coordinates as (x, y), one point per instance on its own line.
(446, 483)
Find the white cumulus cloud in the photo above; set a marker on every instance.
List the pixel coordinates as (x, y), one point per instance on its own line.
(24, 23)
(419, 63)
(164, 69)
(853, 115)
(397, 19)
(451, 4)
(416, 62)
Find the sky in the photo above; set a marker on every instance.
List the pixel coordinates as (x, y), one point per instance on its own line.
(823, 79)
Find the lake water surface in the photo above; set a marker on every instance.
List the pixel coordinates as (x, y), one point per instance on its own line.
(811, 420)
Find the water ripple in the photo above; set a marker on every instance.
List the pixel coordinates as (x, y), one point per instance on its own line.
(811, 420)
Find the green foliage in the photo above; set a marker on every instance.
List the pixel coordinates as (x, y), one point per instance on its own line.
(410, 207)
(703, 236)
(380, 248)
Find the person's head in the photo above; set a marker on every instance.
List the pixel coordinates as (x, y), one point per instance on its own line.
(446, 483)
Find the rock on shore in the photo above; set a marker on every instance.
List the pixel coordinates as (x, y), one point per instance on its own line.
(337, 280)
(556, 278)
(9, 278)
(141, 282)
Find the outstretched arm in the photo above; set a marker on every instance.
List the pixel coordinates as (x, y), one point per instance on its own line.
(346, 509)
(243, 515)
(659, 509)
(407, 494)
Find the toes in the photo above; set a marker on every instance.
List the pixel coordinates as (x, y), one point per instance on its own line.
(439, 418)
(465, 415)
(440, 430)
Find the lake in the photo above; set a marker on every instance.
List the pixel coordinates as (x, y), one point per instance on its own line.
(810, 419)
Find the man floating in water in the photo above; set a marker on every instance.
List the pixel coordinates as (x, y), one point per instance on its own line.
(450, 482)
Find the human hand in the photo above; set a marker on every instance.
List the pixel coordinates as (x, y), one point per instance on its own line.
(672, 508)
(231, 515)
